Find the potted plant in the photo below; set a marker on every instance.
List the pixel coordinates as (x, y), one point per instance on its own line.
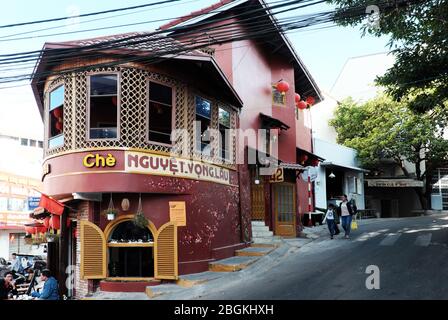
(139, 218)
(110, 212)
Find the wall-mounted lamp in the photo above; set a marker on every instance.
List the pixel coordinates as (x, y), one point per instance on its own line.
(332, 175)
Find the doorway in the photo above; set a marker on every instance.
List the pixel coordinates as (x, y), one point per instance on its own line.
(285, 209)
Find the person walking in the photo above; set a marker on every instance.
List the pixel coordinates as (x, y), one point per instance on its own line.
(330, 219)
(346, 210)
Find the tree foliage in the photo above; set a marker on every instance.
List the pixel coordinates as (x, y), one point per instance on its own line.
(382, 128)
(418, 31)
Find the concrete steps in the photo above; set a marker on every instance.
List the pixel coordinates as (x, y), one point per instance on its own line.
(262, 235)
(231, 264)
(254, 251)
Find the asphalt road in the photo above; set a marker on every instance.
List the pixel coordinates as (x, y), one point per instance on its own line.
(411, 254)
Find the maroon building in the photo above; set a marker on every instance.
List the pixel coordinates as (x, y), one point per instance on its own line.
(110, 106)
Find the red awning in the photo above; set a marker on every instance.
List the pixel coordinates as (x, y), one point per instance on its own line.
(51, 205)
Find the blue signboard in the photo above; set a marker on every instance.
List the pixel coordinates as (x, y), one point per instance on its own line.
(33, 202)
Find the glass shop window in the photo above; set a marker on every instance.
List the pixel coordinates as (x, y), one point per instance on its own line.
(128, 232)
(203, 116)
(224, 126)
(56, 118)
(160, 114)
(103, 116)
(278, 97)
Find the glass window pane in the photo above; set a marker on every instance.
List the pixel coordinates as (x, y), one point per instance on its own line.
(24, 142)
(57, 97)
(103, 84)
(224, 117)
(56, 141)
(160, 93)
(203, 107)
(103, 117)
(160, 122)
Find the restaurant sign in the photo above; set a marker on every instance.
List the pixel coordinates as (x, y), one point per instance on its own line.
(145, 163)
(394, 183)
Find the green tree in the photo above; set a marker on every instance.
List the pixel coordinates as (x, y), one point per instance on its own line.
(418, 32)
(383, 129)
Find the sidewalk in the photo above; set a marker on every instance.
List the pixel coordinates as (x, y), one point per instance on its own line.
(196, 285)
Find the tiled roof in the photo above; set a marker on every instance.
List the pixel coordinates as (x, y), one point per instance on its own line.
(195, 14)
(142, 41)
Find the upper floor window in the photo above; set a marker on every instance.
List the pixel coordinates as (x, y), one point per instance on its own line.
(160, 113)
(224, 131)
(278, 97)
(103, 110)
(203, 116)
(56, 118)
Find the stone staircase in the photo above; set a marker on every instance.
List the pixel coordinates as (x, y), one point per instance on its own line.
(262, 235)
(264, 242)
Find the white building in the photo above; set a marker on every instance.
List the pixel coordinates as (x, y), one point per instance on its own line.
(20, 174)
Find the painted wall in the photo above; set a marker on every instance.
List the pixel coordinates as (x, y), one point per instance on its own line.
(340, 155)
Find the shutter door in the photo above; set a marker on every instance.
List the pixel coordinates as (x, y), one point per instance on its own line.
(166, 252)
(93, 252)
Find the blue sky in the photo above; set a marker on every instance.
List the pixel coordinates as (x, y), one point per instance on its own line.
(324, 52)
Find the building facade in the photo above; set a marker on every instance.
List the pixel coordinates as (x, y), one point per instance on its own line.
(128, 134)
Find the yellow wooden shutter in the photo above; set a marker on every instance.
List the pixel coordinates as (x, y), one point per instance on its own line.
(165, 252)
(93, 252)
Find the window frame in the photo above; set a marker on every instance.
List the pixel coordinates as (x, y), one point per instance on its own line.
(230, 146)
(88, 76)
(58, 136)
(275, 103)
(197, 150)
(173, 111)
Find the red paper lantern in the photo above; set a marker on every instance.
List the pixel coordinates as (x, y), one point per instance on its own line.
(302, 105)
(303, 158)
(315, 162)
(30, 230)
(41, 229)
(46, 222)
(297, 98)
(310, 101)
(55, 222)
(58, 126)
(57, 112)
(282, 86)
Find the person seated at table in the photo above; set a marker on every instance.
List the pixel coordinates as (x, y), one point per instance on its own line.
(50, 289)
(7, 286)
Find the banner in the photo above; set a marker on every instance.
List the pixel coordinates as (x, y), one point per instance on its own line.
(137, 162)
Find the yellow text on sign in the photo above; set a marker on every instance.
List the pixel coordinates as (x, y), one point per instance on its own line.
(277, 176)
(178, 213)
(96, 160)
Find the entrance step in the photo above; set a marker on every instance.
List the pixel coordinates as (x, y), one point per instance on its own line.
(156, 291)
(268, 240)
(258, 223)
(190, 280)
(232, 264)
(127, 286)
(253, 251)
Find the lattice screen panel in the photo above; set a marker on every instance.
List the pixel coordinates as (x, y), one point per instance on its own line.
(133, 121)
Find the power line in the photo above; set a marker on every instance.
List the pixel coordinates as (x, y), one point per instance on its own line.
(258, 31)
(86, 14)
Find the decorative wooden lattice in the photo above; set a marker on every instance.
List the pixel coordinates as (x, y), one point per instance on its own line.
(133, 122)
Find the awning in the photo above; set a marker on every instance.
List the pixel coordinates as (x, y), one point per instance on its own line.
(310, 155)
(270, 122)
(394, 183)
(342, 166)
(51, 205)
(291, 166)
